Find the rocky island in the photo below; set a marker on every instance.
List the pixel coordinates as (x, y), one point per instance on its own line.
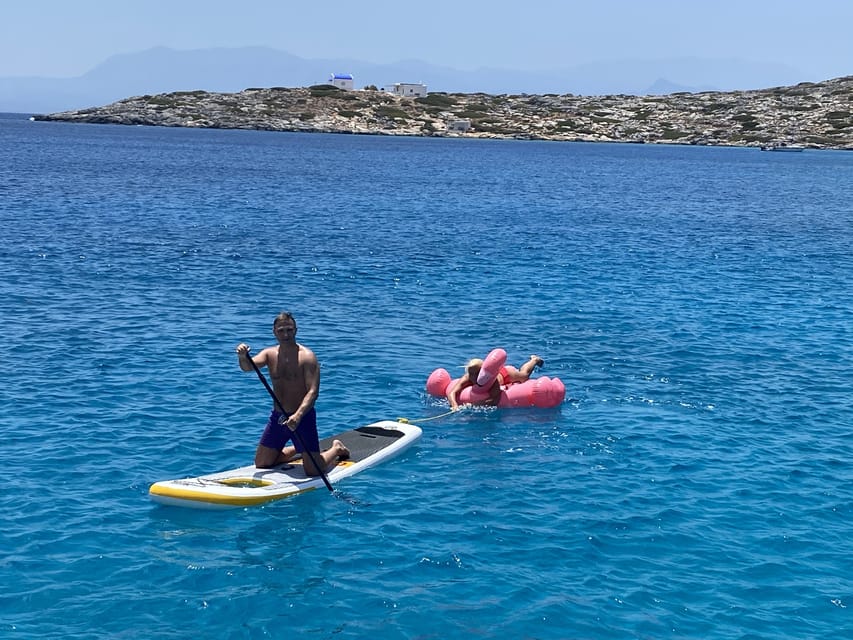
(813, 115)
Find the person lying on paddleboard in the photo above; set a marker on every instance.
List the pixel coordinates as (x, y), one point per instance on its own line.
(506, 375)
(295, 375)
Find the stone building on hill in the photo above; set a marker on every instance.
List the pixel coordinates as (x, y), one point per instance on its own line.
(408, 89)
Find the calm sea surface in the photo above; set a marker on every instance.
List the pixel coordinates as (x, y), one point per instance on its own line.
(697, 303)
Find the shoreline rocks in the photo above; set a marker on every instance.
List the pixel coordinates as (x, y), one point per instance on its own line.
(812, 115)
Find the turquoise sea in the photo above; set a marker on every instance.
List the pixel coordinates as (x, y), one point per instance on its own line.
(697, 303)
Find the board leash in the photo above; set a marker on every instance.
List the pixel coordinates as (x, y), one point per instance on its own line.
(443, 415)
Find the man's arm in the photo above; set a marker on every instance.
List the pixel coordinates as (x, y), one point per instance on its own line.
(311, 376)
(243, 357)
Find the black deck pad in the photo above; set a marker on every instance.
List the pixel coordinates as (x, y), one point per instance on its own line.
(364, 441)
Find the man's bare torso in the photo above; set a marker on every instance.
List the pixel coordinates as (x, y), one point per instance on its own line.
(286, 367)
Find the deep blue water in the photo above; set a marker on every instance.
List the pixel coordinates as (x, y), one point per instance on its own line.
(697, 482)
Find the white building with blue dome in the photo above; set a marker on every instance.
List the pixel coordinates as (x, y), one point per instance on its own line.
(341, 81)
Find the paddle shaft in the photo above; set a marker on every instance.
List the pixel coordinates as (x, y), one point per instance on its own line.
(295, 433)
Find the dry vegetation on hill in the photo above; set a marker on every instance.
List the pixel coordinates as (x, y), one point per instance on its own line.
(816, 115)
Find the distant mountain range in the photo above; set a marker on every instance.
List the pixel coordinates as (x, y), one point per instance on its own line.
(162, 70)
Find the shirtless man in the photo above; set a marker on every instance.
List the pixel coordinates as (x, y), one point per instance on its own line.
(295, 375)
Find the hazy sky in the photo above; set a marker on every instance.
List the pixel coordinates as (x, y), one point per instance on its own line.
(63, 39)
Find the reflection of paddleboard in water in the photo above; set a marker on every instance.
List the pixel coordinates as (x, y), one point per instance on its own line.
(247, 486)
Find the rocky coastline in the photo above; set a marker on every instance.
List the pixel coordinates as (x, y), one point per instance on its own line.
(812, 115)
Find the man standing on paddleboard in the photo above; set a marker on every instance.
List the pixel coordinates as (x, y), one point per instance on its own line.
(295, 375)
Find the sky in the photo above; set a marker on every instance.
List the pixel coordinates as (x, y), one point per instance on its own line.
(58, 39)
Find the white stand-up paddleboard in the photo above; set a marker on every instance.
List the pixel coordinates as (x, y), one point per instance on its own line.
(248, 486)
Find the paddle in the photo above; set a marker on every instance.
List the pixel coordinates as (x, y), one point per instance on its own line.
(295, 433)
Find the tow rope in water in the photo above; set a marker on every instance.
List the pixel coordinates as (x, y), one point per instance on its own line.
(443, 415)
